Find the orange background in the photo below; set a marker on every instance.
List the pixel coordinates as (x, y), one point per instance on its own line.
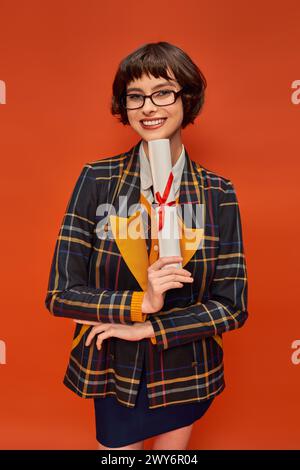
(58, 59)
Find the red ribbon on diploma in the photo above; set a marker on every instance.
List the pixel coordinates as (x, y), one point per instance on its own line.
(162, 201)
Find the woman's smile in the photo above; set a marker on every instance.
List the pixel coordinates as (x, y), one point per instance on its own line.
(152, 123)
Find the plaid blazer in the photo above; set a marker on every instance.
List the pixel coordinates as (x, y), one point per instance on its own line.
(98, 277)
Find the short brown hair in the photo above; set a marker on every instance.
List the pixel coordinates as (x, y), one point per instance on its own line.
(155, 59)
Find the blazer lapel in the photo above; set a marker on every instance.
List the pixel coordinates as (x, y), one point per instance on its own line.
(190, 210)
(129, 231)
(133, 250)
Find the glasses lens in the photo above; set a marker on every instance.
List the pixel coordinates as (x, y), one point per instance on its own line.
(163, 97)
(134, 101)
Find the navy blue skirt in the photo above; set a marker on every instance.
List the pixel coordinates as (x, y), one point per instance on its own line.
(118, 425)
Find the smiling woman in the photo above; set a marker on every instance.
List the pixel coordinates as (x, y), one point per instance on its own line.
(159, 60)
(148, 347)
(155, 102)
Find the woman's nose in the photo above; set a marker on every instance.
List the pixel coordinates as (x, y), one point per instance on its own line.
(148, 105)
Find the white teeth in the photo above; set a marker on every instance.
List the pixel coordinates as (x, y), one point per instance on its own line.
(153, 123)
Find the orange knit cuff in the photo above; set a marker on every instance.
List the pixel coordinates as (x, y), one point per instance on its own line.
(136, 313)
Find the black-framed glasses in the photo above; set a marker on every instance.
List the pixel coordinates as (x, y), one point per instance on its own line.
(159, 98)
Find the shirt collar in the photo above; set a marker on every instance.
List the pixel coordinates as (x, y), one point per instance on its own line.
(146, 175)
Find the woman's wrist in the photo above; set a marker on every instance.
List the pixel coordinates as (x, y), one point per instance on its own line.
(146, 329)
(145, 304)
(149, 330)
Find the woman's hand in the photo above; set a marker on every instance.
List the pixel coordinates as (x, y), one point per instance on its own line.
(160, 280)
(135, 332)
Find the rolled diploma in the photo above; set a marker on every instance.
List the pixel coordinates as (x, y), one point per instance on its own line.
(161, 166)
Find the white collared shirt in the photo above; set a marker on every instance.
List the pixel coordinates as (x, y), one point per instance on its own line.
(146, 175)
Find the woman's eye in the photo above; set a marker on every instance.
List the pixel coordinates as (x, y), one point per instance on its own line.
(134, 97)
(164, 92)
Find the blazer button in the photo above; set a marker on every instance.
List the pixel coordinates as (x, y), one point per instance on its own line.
(155, 247)
(112, 355)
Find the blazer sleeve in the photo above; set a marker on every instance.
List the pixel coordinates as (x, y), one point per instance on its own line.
(68, 293)
(226, 308)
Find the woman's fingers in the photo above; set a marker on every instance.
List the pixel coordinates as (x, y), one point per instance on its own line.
(166, 272)
(169, 285)
(85, 322)
(100, 338)
(164, 261)
(174, 278)
(96, 330)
